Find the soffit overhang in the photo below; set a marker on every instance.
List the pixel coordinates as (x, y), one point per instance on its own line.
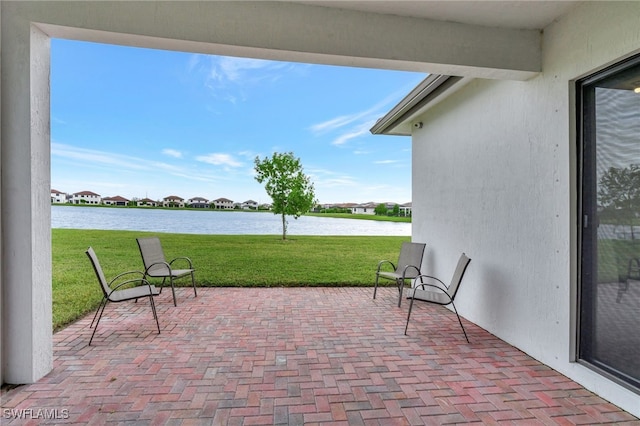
(403, 118)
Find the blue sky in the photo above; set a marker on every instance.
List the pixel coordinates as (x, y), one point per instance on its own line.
(152, 123)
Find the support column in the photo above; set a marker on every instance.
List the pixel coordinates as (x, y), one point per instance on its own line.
(1, 363)
(25, 213)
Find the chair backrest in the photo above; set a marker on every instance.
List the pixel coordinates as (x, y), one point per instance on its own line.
(150, 250)
(152, 253)
(410, 254)
(461, 268)
(98, 270)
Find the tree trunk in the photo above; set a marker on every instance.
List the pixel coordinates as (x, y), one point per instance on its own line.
(284, 227)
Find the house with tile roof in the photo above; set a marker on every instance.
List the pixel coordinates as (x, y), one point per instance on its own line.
(364, 208)
(147, 202)
(198, 203)
(115, 201)
(223, 203)
(249, 205)
(173, 201)
(86, 197)
(405, 209)
(58, 197)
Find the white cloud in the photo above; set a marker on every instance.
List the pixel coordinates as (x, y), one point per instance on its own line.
(95, 157)
(57, 120)
(234, 69)
(337, 182)
(92, 158)
(229, 78)
(336, 186)
(357, 131)
(194, 62)
(248, 154)
(356, 124)
(324, 178)
(369, 115)
(218, 159)
(386, 162)
(335, 123)
(172, 153)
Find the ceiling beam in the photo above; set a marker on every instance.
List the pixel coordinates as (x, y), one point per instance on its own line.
(294, 32)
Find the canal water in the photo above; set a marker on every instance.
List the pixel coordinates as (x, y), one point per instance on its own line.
(215, 222)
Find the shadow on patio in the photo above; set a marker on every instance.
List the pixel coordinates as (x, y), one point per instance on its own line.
(240, 356)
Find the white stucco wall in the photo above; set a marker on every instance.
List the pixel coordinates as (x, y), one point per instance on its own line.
(26, 219)
(494, 176)
(1, 338)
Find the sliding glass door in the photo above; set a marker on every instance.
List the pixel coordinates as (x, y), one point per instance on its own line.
(609, 286)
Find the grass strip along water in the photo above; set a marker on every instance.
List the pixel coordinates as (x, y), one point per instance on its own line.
(401, 219)
(220, 261)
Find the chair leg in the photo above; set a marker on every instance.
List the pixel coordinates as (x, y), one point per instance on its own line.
(173, 290)
(400, 283)
(408, 316)
(193, 283)
(375, 288)
(622, 288)
(162, 284)
(99, 318)
(460, 321)
(96, 314)
(153, 309)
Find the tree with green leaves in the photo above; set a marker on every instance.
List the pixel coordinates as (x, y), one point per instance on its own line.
(380, 210)
(291, 191)
(619, 194)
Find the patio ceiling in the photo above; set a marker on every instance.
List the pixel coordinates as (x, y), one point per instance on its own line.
(476, 39)
(530, 15)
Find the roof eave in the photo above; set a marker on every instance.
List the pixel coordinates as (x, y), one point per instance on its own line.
(430, 91)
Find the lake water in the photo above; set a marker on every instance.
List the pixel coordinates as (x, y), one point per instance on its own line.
(215, 222)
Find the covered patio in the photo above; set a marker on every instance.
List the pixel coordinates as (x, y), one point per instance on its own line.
(497, 172)
(239, 356)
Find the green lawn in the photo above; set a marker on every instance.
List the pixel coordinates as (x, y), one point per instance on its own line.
(363, 217)
(220, 260)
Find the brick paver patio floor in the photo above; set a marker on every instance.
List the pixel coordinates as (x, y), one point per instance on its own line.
(270, 356)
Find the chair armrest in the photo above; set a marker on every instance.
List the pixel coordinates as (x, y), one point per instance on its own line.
(384, 262)
(633, 268)
(409, 267)
(445, 293)
(440, 286)
(183, 258)
(165, 264)
(142, 282)
(125, 274)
